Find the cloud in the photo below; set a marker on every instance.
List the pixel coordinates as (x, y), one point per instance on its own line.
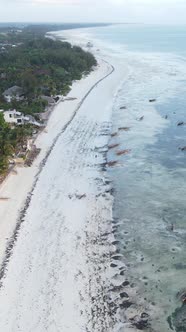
(113, 3)
(59, 2)
(102, 3)
(52, 2)
(146, 11)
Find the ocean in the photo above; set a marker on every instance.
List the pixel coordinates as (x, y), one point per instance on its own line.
(149, 180)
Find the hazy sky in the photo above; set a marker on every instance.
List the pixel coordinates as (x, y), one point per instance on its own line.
(144, 11)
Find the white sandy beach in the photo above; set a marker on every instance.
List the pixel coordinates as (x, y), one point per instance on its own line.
(56, 279)
(16, 187)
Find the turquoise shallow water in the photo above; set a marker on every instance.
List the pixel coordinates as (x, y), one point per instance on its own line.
(147, 38)
(150, 181)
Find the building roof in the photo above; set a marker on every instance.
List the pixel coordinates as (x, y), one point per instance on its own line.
(14, 90)
(49, 100)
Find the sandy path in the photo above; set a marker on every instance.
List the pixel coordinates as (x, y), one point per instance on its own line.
(57, 276)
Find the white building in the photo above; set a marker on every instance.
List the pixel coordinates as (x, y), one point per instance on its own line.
(12, 116)
(15, 117)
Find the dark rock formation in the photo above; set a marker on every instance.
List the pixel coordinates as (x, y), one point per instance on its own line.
(181, 123)
(178, 319)
(124, 295)
(125, 304)
(183, 148)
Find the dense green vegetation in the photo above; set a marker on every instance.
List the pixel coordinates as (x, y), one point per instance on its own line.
(40, 66)
(10, 140)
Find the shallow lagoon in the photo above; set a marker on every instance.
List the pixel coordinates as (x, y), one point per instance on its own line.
(150, 193)
(149, 212)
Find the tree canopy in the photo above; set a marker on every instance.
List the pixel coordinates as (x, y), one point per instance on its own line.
(44, 65)
(40, 66)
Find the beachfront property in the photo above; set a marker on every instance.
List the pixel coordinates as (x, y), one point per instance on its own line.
(13, 93)
(15, 117)
(50, 101)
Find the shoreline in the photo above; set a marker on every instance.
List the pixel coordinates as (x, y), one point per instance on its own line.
(35, 169)
(21, 214)
(71, 196)
(66, 220)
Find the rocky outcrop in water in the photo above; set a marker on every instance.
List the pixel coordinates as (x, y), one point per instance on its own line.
(142, 322)
(181, 123)
(177, 321)
(183, 148)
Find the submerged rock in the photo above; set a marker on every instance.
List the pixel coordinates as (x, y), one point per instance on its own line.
(141, 118)
(114, 134)
(144, 315)
(180, 266)
(112, 163)
(116, 288)
(122, 152)
(117, 258)
(124, 128)
(112, 146)
(177, 320)
(110, 191)
(181, 123)
(125, 304)
(124, 295)
(141, 323)
(182, 295)
(115, 243)
(183, 148)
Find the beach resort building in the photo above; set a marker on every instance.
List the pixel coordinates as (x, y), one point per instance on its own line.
(49, 100)
(15, 117)
(15, 92)
(12, 116)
